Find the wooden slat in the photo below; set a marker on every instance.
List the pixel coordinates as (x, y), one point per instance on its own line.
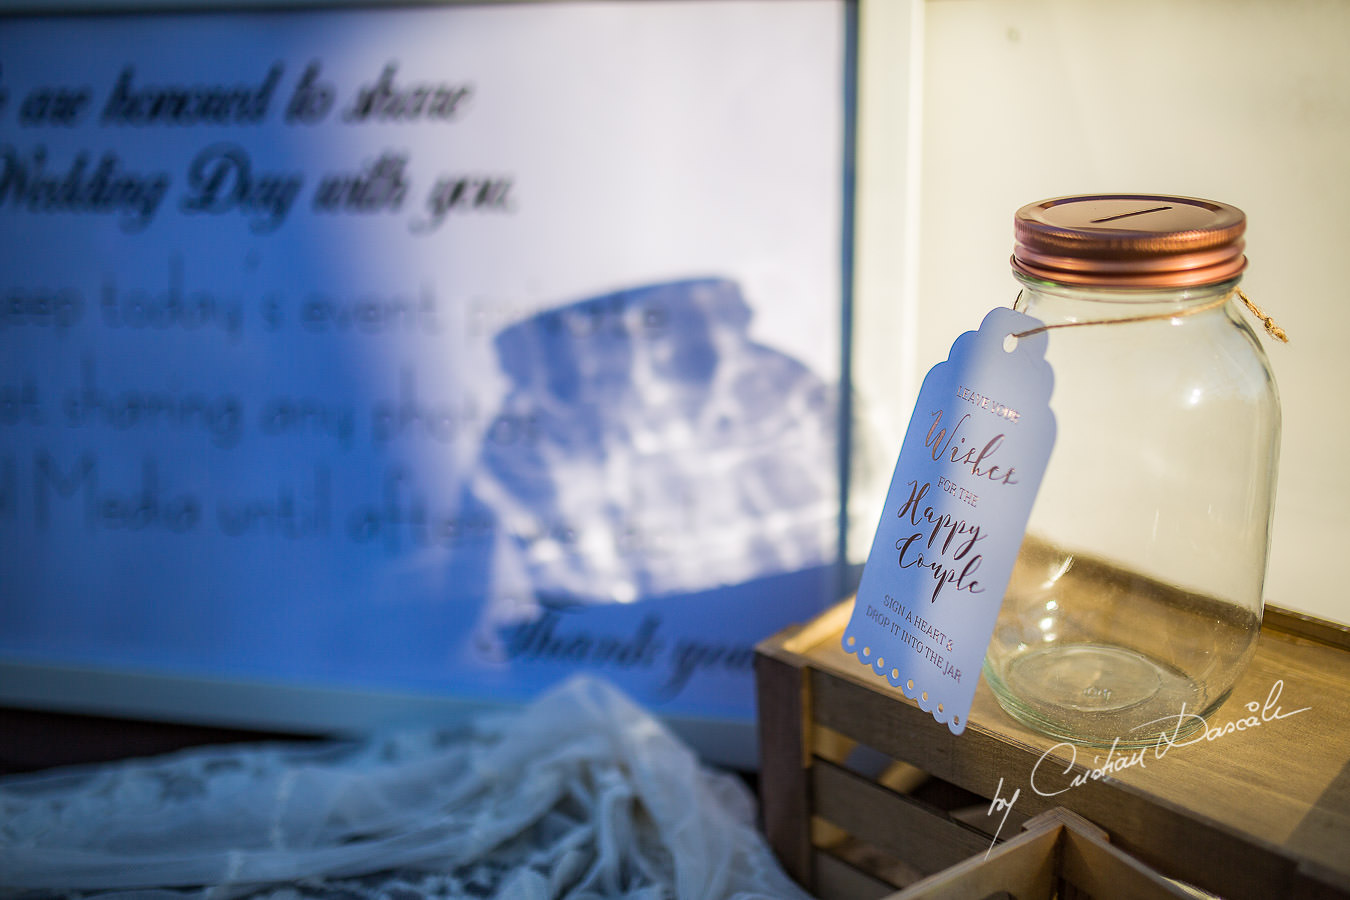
(1025, 867)
(881, 717)
(784, 718)
(838, 880)
(1298, 624)
(1092, 866)
(894, 823)
(799, 639)
(1314, 882)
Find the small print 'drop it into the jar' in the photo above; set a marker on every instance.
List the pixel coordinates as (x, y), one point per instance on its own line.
(1136, 600)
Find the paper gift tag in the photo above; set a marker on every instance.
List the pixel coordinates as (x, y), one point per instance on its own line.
(955, 515)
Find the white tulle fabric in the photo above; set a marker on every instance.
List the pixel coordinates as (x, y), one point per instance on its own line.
(582, 795)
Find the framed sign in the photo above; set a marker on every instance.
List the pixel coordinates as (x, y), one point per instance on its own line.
(364, 363)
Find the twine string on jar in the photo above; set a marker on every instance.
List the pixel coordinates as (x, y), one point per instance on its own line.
(1273, 329)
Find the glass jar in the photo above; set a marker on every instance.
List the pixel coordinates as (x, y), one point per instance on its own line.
(1136, 600)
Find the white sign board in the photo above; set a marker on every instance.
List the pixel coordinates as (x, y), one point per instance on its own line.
(436, 350)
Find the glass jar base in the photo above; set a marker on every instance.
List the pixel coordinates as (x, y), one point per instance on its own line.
(1096, 694)
(1086, 677)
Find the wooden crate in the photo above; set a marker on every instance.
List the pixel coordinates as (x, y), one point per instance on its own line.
(862, 792)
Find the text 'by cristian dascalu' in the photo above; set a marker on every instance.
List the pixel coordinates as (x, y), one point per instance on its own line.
(1181, 729)
(225, 177)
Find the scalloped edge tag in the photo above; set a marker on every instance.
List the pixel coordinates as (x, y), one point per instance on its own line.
(955, 515)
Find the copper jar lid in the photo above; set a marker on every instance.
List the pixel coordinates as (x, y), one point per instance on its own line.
(1129, 240)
